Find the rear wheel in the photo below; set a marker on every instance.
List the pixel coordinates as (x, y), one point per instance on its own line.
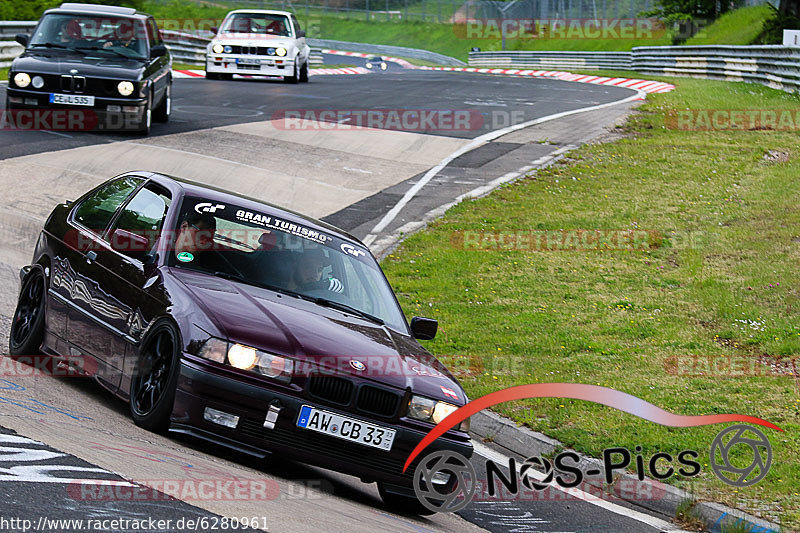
(162, 112)
(156, 376)
(27, 326)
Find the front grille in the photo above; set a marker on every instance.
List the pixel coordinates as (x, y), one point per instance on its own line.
(249, 50)
(377, 401)
(331, 388)
(326, 446)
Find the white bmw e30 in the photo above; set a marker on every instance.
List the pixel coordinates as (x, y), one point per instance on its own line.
(260, 43)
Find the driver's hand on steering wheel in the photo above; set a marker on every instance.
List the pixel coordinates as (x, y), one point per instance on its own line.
(108, 44)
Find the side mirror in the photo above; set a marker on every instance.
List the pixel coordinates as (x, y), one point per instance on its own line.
(130, 244)
(22, 38)
(158, 50)
(301, 33)
(424, 329)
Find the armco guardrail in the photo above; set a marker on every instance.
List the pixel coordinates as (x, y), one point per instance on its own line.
(776, 66)
(8, 51)
(8, 29)
(546, 60)
(387, 50)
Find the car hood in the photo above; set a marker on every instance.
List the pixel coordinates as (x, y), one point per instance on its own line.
(313, 334)
(117, 68)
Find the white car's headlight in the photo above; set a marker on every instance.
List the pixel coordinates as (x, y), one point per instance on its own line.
(21, 79)
(125, 88)
(280, 51)
(217, 48)
(227, 49)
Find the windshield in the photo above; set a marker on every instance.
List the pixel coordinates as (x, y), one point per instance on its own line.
(259, 23)
(264, 250)
(100, 34)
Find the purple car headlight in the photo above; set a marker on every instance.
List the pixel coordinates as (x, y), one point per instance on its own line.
(430, 410)
(248, 358)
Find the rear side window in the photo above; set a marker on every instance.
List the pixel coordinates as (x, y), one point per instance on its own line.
(95, 212)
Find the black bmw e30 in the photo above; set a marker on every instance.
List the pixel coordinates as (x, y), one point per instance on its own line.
(235, 321)
(106, 64)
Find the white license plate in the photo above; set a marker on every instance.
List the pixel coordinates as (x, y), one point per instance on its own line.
(71, 99)
(345, 428)
(248, 61)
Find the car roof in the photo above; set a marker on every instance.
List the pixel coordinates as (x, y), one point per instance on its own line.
(193, 188)
(96, 9)
(261, 12)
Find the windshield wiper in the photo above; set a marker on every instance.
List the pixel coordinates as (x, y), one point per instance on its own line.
(59, 46)
(348, 309)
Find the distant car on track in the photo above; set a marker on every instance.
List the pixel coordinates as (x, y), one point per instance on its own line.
(107, 61)
(235, 321)
(376, 62)
(259, 43)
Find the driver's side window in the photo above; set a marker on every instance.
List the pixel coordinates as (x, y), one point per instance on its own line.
(96, 210)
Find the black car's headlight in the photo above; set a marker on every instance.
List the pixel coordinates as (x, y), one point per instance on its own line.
(429, 410)
(248, 358)
(125, 88)
(22, 79)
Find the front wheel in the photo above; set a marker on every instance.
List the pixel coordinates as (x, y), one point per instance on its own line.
(295, 77)
(27, 326)
(304, 73)
(402, 504)
(164, 109)
(155, 378)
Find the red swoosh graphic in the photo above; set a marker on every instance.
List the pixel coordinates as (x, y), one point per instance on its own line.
(579, 391)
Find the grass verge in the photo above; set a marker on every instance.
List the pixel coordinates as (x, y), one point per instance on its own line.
(4, 73)
(620, 318)
(740, 26)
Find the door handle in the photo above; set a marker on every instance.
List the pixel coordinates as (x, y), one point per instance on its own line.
(90, 256)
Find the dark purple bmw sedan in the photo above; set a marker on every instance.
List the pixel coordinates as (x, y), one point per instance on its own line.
(232, 320)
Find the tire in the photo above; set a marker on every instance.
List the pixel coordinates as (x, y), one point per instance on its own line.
(27, 326)
(155, 378)
(295, 77)
(402, 504)
(212, 75)
(304, 73)
(164, 109)
(147, 116)
(227, 77)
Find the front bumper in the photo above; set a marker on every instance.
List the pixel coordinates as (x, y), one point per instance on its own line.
(231, 64)
(199, 388)
(107, 113)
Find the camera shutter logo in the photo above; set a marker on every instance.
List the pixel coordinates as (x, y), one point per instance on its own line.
(452, 472)
(721, 461)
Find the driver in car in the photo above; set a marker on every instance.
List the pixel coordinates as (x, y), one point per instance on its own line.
(194, 245)
(307, 274)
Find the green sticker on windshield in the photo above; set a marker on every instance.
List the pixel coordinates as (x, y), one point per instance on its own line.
(185, 257)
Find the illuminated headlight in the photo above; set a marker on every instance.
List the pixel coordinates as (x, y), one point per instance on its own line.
(22, 80)
(217, 48)
(241, 356)
(280, 51)
(125, 88)
(214, 350)
(430, 410)
(38, 82)
(228, 49)
(369, 65)
(383, 66)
